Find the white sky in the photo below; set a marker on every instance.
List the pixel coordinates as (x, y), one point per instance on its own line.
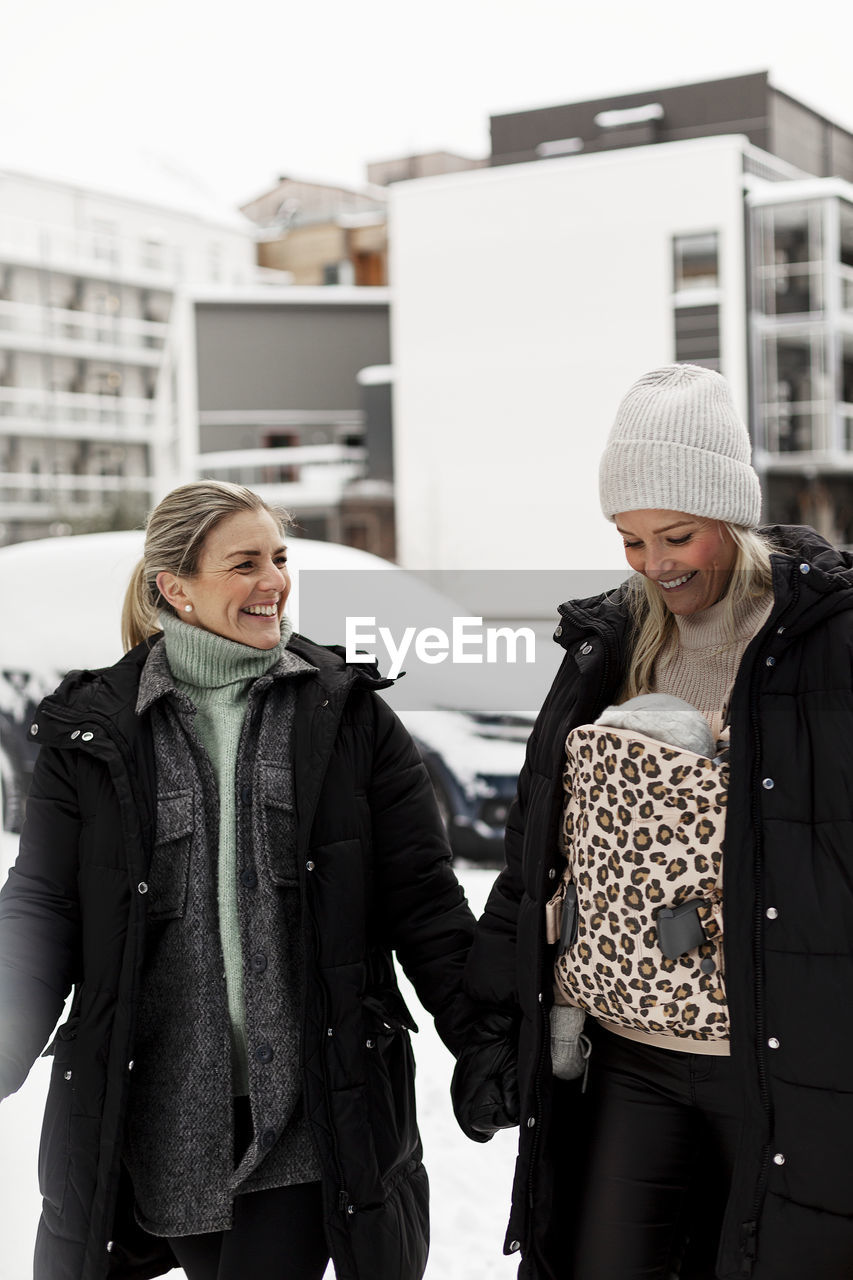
(239, 91)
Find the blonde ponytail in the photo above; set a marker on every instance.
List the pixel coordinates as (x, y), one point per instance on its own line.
(139, 611)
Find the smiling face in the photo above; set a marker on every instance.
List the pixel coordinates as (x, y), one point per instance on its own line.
(689, 558)
(242, 582)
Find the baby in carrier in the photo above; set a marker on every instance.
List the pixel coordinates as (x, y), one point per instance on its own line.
(662, 716)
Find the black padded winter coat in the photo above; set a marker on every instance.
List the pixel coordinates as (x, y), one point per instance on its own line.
(375, 878)
(788, 937)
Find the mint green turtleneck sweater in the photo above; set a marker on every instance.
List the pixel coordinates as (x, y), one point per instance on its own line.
(216, 675)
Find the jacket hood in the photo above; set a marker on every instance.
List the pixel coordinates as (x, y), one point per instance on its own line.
(107, 693)
(607, 615)
(812, 579)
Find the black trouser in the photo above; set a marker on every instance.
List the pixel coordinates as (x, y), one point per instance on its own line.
(664, 1131)
(274, 1235)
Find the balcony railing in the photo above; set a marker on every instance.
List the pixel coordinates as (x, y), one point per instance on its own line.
(43, 496)
(313, 475)
(106, 337)
(72, 415)
(94, 253)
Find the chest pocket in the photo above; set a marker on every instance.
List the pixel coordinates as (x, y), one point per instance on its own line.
(168, 875)
(277, 823)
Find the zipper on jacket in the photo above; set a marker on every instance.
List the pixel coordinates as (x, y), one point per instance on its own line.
(749, 1229)
(545, 1031)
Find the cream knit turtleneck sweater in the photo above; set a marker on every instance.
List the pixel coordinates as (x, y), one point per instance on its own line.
(702, 659)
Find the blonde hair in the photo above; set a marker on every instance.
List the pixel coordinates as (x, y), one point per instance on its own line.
(751, 577)
(175, 534)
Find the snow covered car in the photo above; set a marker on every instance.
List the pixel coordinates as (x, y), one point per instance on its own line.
(473, 754)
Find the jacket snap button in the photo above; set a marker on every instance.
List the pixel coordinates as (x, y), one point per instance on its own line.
(110, 1246)
(309, 866)
(773, 1042)
(34, 729)
(369, 1043)
(779, 1158)
(780, 631)
(264, 1053)
(558, 632)
(87, 737)
(707, 965)
(75, 734)
(350, 1208)
(325, 702)
(514, 1246)
(771, 662)
(586, 647)
(772, 913)
(531, 1122)
(259, 962)
(805, 568)
(552, 873)
(330, 1031)
(142, 887)
(130, 1065)
(768, 784)
(66, 1075)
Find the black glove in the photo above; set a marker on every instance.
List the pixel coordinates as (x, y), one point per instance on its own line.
(484, 1088)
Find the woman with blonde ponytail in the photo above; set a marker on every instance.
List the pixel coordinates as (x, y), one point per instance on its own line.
(228, 837)
(678, 861)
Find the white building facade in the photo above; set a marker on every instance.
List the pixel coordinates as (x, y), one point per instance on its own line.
(92, 353)
(527, 298)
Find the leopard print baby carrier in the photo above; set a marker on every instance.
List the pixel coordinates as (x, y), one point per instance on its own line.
(643, 831)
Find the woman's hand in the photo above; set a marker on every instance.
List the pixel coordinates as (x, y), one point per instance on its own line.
(484, 1088)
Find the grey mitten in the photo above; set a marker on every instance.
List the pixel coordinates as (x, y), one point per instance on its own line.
(569, 1047)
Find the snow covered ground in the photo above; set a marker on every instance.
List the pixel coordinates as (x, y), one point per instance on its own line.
(470, 1181)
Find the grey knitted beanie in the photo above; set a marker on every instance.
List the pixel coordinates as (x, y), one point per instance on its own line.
(678, 444)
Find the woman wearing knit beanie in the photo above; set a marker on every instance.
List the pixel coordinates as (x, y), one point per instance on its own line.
(227, 836)
(675, 921)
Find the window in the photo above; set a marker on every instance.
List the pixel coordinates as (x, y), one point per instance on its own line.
(796, 393)
(105, 241)
(789, 259)
(281, 474)
(153, 254)
(846, 230)
(696, 313)
(696, 262)
(214, 260)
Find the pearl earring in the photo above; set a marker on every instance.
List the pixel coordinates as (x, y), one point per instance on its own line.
(188, 608)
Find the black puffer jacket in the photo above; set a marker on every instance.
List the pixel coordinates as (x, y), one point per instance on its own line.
(788, 936)
(374, 866)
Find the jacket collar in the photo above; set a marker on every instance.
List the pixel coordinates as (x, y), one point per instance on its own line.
(112, 692)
